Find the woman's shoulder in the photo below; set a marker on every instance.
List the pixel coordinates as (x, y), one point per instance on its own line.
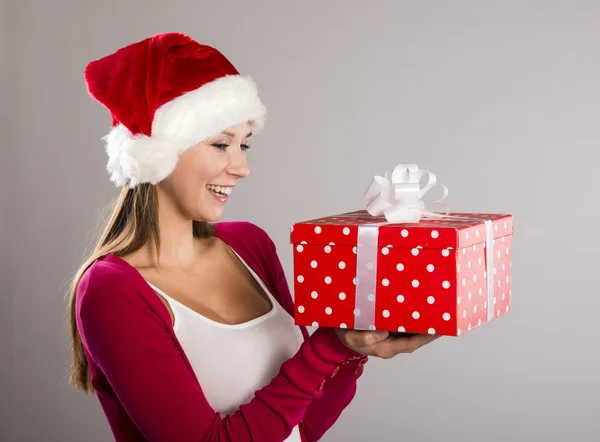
(110, 282)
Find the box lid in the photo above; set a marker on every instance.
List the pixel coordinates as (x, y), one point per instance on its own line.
(342, 230)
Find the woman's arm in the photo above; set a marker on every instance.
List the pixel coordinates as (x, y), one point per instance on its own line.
(144, 367)
(339, 387)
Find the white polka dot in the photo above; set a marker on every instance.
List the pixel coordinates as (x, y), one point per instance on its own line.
(496, 227)
(479, 260)
(371, 297)
(385, 250)
(385, 282)
(494, 270)
(458, 267)
(434, 234)
(342, 296)
(313, 264)
(464, 251)
(430, 299)
(499, 283)
(431, 331)
(318, 229)
(458, 332)
(370, 266)
(446, 284)
(343, 325)
(475, 247)
(303, 242)
(503, 267)
(469, 327)
(469, 264)
(498, 314)
(477, 232)
(484, 274)
(499, 254)
(354, 281)
(346, 231)
(400, 267)
(446, 316)
(474, 278)
(466, 235)
(416, 315)
(327, 249)
(314, 295)
(469, 296)
(464, 282)
(401, 329)
(507, 309)
(291, 228)
(415, 251)
(505, 226)
(480, 291)
(342, 265)
(301, 308)
(300, 248)
(400, 298)
(503, 296)
(354, 250)
(430, 268)
(371, 327)
(389, 246)
(485, 304)
(315, 324)
(332, 243)
(415, 283)
(404, 233)
(327, 280)
(386, 313)
(507, 279)
(328, 310)
(458, 299)
(356, 312)
(300, 278)
(474, 309)
(494, 300)
(464, 313)
(445, 252)
(479, 321)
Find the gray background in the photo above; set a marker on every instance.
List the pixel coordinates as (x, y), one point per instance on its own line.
(501, 99)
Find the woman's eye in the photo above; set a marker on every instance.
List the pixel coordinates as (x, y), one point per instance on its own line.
(225, 146)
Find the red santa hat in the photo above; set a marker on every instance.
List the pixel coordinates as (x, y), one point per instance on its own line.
(166, 94)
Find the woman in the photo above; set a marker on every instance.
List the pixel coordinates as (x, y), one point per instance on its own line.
(183, 325)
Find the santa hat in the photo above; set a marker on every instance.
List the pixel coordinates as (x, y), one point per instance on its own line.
(166, 94)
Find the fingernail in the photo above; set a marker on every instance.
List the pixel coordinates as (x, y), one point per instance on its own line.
(381, 334)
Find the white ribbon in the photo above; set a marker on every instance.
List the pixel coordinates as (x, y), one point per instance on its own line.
(399, 195)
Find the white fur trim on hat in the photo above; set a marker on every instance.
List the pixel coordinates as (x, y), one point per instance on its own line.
(179, 125)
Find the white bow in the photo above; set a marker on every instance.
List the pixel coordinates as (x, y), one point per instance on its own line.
(399, 195)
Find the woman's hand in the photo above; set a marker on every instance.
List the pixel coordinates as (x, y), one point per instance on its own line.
(382, 344)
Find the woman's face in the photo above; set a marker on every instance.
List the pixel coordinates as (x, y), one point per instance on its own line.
(205, 175)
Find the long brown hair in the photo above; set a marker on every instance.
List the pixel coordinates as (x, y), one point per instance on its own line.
(132, 224)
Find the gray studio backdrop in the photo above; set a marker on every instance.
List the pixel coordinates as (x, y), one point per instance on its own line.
(501, 99)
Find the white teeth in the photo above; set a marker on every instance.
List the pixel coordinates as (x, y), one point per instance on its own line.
(219, 189)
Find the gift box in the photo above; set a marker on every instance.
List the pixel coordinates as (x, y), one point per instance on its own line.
(438, 273)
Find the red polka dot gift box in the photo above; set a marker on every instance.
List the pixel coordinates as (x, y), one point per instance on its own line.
(443, 276)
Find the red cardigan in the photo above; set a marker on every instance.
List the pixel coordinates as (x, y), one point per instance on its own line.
(147, 387)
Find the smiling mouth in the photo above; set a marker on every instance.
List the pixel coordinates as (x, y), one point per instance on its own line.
(220, 191)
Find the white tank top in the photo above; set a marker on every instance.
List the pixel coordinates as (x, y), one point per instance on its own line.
(231, 362)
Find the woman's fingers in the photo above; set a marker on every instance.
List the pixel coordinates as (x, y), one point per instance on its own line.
(381, 344)
(394, 346)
